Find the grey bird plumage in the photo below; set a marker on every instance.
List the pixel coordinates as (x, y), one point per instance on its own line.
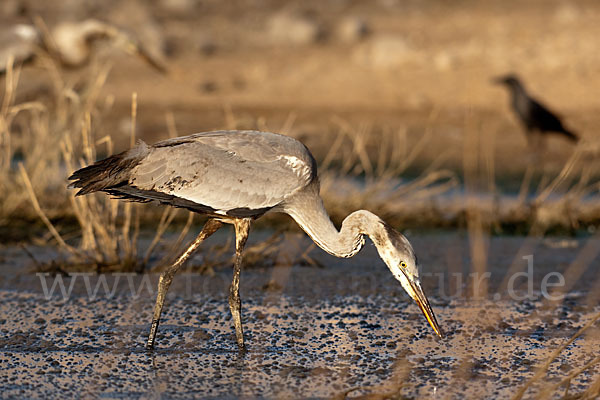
(235, 177)
(70, 43)
(18, 43)
(237, 174)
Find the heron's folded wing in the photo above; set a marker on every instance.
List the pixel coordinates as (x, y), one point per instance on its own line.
(243, 175)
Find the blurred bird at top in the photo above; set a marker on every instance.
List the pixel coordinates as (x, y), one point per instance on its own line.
(536, 118)
(71, 43)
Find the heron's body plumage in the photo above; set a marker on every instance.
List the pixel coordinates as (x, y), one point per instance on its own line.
(231, 173)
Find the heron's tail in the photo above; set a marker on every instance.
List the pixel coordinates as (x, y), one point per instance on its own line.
(109, 172)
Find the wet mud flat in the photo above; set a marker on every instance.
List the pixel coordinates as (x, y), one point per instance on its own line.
(347, 328)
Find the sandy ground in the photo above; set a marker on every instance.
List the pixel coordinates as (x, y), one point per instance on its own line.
(311, 332)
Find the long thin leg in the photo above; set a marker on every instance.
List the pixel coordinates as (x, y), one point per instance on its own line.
(242, 228)
(166, 277)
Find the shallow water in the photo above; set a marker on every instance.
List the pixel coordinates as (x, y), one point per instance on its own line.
(311, 332)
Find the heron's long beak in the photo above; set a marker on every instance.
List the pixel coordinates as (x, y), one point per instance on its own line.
(423, 303)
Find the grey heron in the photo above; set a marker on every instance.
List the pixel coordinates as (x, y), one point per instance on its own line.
(535, 117)
(235, 177)
(20, 43)
(71, 43)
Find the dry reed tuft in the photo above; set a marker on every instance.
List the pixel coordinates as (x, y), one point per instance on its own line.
(541, 370)
(27, 131)
(51, 141)
(359, 171)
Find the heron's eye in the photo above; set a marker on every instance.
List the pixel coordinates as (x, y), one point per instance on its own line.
(402, 264)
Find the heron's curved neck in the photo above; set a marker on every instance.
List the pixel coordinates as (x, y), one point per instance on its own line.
(308, 211)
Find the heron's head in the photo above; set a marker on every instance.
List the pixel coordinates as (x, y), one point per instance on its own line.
(400, 258)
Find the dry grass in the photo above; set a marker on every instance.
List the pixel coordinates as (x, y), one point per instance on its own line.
(53, 140)
(43, 142)
(361, 169)
(27, 131)
(109, 229)
(548, 390)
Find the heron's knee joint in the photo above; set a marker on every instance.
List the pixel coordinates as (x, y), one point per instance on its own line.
(166, 278)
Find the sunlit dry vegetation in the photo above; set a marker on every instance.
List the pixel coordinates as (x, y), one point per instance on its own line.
(43, 142)
(46, 138)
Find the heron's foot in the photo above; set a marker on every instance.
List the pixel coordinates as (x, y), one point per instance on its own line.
(239, 330)
(235, 305)
(240, 340)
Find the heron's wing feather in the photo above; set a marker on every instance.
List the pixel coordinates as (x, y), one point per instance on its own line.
(226, 170)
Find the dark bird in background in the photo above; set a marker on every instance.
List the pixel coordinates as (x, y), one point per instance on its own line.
(537, 119)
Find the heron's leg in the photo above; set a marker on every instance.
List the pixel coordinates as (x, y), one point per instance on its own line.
(166, 277)
(242, 227)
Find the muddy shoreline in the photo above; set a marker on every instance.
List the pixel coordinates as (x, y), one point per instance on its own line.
(312, 332)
